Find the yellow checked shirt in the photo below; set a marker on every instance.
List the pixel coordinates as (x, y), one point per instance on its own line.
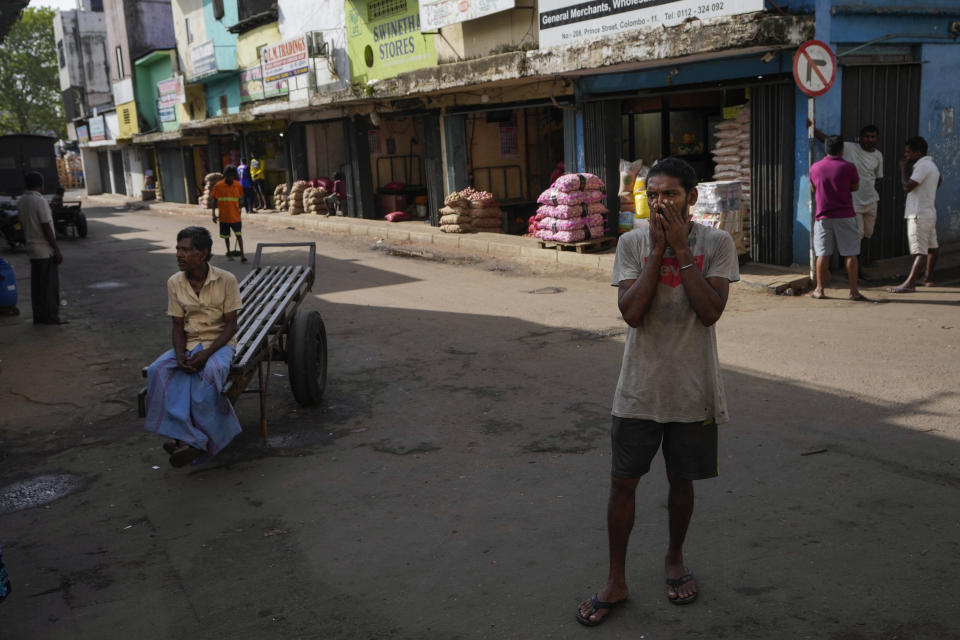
(203, 314)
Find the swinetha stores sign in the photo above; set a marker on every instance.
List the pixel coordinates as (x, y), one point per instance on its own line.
(564, 22)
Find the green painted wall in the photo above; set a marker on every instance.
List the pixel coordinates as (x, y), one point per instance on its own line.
(146, 77)
(391, 44)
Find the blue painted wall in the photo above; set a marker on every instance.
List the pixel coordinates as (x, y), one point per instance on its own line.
(939, 112)
(225, 46)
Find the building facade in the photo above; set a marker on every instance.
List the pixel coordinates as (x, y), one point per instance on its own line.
(416, 99)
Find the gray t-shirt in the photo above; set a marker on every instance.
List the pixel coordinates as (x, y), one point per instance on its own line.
(670, 370)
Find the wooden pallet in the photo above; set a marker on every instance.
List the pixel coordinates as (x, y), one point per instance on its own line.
(584, 246)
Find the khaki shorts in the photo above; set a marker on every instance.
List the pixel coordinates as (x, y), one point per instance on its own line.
(922, 235)
(866, 219)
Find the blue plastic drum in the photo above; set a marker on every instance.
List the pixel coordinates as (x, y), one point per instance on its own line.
(8, 285)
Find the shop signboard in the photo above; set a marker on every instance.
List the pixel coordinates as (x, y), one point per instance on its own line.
(435, 14)
(170, 92)
(382, 47)
(83, 133)
(98, 129)
(252, 86)
(569, 21)
(203, 59)
(285, 59)
(166, 113)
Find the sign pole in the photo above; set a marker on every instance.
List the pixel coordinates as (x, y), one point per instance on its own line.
(813, 202)
(814, 71)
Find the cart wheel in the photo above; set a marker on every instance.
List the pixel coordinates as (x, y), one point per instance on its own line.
(307, 357)
(81, 225)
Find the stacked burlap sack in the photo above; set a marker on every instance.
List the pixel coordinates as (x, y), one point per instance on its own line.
(209, 181)
(572, 209)
(485, 214)
(732, 155)
(280, 197)
(455, 215)
(313, 201)
(295, 206)
(471, 210)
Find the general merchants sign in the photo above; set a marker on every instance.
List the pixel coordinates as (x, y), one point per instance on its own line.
(814, 68)
(285, 59)
(203, 59)
(443, 13)
(170, 92)
(566, 22)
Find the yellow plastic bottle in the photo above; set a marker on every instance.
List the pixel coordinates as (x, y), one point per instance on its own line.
(640, 199)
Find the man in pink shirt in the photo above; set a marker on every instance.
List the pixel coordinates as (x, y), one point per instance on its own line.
(833, 181)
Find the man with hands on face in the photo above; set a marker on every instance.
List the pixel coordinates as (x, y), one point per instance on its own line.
(184, 384)
(673, 277)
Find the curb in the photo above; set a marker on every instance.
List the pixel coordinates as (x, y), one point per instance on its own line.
(493, 245)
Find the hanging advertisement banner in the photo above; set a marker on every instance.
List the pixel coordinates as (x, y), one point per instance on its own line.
(83, 134)
(98, 129)
(435, 14)
(566, 22)
(252, 86)
(170, 92)
(285, 59)
(203, 59)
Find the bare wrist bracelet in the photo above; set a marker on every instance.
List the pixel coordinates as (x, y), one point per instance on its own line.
(687, 266)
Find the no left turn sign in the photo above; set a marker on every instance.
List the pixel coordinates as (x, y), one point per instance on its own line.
(814, 68)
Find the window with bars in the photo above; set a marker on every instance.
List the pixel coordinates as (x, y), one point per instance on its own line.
(380, 9)
(63, 60)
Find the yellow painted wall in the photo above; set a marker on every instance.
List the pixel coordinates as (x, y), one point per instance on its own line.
(127, 123)
(484, 141)
(385, 166)
(196, 103)
(249, 43)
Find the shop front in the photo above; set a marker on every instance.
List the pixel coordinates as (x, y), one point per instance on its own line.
(265, 142)
(511, 151)
(737, 129)
(398, 164)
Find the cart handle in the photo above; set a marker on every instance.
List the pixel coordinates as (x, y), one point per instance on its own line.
(312, 261)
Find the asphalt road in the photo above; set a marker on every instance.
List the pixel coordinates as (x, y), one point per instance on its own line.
(452, 484)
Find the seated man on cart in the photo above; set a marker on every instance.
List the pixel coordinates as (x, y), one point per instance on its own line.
(184, 384)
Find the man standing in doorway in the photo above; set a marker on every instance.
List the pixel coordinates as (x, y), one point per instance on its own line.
(833, 181)
(921, 179)
(243, 174)
(45, 257)
(673, 277)
(225, 198)
(256, 173)
(868, 160)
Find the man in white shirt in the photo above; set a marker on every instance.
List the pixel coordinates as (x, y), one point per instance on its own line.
(45, 256)
(921, 179)
(864, 155)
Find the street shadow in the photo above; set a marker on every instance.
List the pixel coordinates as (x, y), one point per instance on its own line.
(452, 483)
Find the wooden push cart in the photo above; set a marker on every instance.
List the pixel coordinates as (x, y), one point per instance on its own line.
(270, 329)
(69, 215)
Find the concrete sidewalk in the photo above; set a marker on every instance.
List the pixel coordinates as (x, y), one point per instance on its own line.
(419, 238)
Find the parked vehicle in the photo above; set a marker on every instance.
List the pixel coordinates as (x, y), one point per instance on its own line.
(10, 226)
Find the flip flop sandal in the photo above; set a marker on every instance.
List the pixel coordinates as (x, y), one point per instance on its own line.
(596, 605)
(171, 446)
(900, 290)
(675, 584)
(184, 456)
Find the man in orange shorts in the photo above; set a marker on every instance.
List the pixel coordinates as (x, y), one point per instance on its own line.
(225, 198)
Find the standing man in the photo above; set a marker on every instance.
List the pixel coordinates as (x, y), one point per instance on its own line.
(833, 181)
(334, 202)
(42, 248)
(920, 211)
(256, 172)
(243, 174)
(864, 155)
(225, 198)
(673, 277)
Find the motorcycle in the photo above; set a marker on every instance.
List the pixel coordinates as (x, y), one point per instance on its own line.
(10, 226)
